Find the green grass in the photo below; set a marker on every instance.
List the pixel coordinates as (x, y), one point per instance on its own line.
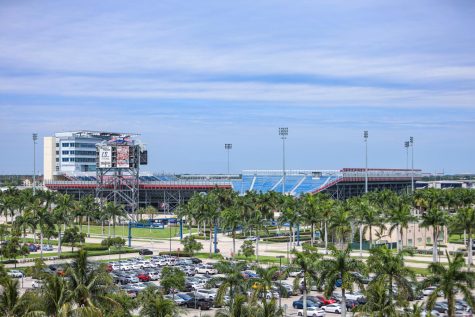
(123, 231)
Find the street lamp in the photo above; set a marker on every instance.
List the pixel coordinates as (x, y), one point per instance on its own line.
(283, 132)
(280, 257)
(228, 147)
(411, 142)
(35, 137)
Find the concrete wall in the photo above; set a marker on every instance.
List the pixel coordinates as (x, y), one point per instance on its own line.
(49, 157)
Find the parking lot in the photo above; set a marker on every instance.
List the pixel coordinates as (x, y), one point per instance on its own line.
(133, 275)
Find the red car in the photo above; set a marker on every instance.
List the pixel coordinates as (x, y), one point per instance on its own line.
(325, 301)
(143, 277)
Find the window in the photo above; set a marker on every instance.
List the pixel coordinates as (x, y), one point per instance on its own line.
(57, 144)
(57, 152)
(65, 159)
(57, 159)
(57, 168)
(65, 152)
(65, 144)
(409, 242)
(428, 240)
(419, 240)
(71, 159)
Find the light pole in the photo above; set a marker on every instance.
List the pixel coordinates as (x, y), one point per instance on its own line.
(365, 135)
(406, 145)
(35, 137)
(283, 132)
(280, 279)
(228, 147)
(411, 142)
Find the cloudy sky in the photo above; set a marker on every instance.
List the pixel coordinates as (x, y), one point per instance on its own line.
(190, 76)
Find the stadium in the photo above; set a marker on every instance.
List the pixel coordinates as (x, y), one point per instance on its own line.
(110, 169)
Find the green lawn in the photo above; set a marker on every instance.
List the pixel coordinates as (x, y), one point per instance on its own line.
(123, 231)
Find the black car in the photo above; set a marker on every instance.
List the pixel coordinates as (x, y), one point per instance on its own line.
(196, 260)
(199, 303)
(145, 252)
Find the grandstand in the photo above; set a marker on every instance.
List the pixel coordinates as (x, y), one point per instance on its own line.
(165, 192)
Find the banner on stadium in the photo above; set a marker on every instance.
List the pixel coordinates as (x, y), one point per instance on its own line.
(105, 157)
(122, 156)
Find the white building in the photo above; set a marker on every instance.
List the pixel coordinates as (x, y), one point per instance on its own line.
(73, 153)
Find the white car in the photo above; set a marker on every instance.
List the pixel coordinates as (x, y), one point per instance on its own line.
(206, 269)
(295, 273)
(144, 264)
(154, 276)
(433, 313)
(353, 296)
(312, 311)
(125, 267)
(332, 308)
(15, 274)
(37, 284)
(431, 289)
(206, 293)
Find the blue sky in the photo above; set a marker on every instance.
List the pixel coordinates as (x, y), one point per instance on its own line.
(193, 75)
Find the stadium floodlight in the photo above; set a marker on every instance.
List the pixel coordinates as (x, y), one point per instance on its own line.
(283, 132)
(228, 147)
(35, 137)
(411, 142)
(406, 146)
(365, 135)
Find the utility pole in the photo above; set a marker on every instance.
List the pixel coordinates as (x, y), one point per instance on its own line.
(283, 132)
(228, 147)
(35, 137)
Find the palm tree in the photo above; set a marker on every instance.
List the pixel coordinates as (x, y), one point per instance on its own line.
(13, 304)
(340, 266)
(89, 286)
(231, 280)
(41, 218)
(62, 214)
(378, 302)
(465, 218)
(340, 221)
(155, 305)
(238, 308)
(112, 211)
(311, 212)
(435, 218)
(400, 216)
(269, 309)
(327, 208)
(390, 269)
(307, 261)
(290, 215)
(449, 280)
(231, 219)
(56, 296)
(368, 215)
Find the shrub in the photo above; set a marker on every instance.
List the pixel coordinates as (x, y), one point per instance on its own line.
(181, 254)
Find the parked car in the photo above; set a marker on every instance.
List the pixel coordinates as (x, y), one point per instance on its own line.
(199, 303)
(15, 274)
(312, 312)
(298, 304)
(206, 269)
(314, 299)
(143, 277)
(431, 289)
(145, 252)
(47, 247)
(206, 293)
(332, 308)
(196, 260)
(326, 301)
(37, 284)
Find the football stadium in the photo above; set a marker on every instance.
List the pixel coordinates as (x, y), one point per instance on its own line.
(109, 166)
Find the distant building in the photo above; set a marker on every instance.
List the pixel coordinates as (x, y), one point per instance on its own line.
(70, 153)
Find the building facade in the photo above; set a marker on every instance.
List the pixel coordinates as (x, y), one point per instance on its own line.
(70, 153)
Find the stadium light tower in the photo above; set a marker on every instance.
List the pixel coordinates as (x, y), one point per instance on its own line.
(406, 145)
(283, 132)
(365, 135)
(228, 147)
(35, 137)
(411, 142)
